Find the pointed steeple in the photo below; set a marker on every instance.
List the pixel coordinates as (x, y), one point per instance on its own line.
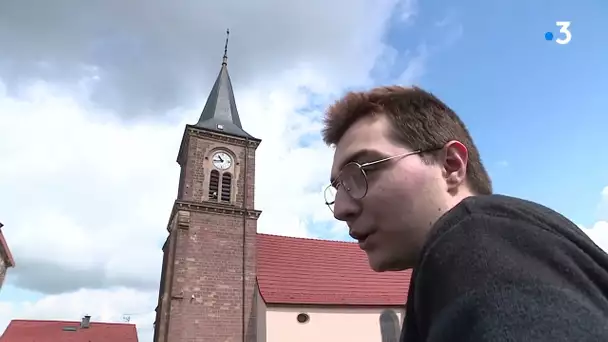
(220, 113)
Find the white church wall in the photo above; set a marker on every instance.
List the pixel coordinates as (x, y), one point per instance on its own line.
(326, 324)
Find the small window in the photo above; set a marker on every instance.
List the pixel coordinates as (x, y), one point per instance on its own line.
(303, 318)
(214, 183)
(226, 187)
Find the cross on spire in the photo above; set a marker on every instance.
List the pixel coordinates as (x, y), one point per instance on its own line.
(225, 58)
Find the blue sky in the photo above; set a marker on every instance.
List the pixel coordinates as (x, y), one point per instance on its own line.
(534, 107)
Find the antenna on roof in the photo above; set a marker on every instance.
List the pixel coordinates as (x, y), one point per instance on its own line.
(225, 58)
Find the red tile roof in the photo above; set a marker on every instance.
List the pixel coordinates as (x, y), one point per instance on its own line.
(5, 252)
(306, 271)
(52, 331)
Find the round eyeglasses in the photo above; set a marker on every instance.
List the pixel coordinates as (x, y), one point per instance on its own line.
(353, 179)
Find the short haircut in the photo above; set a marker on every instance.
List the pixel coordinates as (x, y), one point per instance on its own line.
(419, 119)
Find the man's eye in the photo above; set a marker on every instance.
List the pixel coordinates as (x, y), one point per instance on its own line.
(369, 168)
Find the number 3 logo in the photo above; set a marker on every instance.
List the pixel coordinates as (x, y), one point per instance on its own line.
(564, 29)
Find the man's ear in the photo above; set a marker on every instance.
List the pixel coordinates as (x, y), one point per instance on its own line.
(455, 158)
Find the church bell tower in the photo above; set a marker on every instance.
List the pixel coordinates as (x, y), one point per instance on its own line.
(207, 285)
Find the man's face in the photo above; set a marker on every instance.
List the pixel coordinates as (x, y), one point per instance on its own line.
(404, 198)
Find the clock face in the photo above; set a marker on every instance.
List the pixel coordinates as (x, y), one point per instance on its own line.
(222, 160)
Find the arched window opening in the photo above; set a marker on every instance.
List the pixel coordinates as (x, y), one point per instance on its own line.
(389, 326)
(226, 187)
(214, 183)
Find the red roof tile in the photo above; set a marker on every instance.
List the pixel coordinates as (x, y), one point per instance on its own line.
(52, 331)
(306, 271)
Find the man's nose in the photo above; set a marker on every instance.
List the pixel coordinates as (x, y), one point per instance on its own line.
(346, 208)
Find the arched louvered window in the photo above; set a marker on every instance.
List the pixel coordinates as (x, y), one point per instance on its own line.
(389, 326)
(214, 184)
(226, 186)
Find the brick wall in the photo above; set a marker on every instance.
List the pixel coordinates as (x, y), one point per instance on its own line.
(207, 296)
(202, 298)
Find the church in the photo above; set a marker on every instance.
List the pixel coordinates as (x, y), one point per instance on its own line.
(222, 281)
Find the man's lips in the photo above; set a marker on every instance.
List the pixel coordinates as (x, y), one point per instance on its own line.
(362, 236)
(364, 241)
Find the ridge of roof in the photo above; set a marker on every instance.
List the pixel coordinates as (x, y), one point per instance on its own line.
(68, 322)
(308, 238)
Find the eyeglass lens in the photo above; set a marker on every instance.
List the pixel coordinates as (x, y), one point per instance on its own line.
(352, 180)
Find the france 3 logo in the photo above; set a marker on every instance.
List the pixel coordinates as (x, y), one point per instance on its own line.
(564, 29)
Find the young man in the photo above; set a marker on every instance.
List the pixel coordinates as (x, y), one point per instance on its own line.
(409, 182)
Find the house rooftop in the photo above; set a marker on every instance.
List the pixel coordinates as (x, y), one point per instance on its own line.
(67, 331)
(294, 271)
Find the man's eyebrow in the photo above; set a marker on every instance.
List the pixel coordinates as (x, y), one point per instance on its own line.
(360, 156)
(364, 155)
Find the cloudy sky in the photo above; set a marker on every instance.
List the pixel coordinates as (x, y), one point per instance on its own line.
(94, 96)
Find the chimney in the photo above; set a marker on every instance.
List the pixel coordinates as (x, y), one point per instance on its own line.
(86, 321)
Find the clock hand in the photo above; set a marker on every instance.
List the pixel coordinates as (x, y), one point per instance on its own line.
(221, 160)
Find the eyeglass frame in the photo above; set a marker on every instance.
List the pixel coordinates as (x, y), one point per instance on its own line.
(362, 169)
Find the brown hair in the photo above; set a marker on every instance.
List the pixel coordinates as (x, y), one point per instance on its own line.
(420, 121)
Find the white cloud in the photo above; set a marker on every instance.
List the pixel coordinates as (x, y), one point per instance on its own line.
(599, 234)
(599, 231)
(86, 198)
(416, 66)
(86, 195)
(155, 54)
(602, 208)
(82, 188)
(407, 10)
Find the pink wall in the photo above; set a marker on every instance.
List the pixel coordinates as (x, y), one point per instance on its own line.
(280, 324)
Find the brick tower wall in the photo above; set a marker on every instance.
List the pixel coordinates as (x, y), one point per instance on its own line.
(201, 298)
(207, 286)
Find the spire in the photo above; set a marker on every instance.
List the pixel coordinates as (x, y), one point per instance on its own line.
(220, 113)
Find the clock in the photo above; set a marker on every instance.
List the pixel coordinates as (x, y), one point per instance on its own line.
(222, 160)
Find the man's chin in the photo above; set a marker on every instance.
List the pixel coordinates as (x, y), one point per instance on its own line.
(377, 268)
(379, 264)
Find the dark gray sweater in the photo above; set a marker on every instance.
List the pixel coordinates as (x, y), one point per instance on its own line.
(497, 268)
